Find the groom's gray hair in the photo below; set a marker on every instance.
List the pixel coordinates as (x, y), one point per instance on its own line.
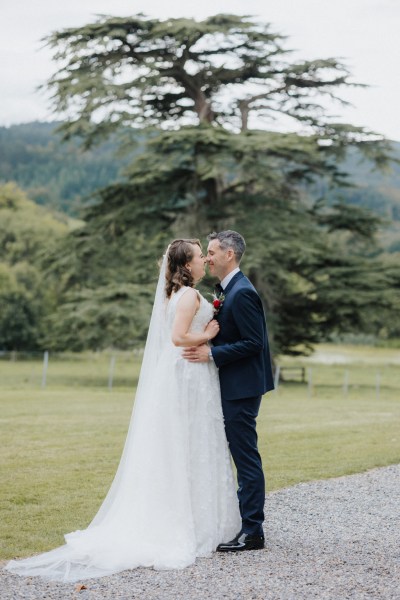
(230, 239)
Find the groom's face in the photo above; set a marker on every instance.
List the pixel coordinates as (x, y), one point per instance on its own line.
(219, 260)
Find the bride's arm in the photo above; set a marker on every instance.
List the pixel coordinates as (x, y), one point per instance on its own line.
(185, 311)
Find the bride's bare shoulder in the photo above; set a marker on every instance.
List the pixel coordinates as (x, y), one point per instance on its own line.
(188, 297)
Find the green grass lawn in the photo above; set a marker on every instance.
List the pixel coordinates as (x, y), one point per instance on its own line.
(60, 446)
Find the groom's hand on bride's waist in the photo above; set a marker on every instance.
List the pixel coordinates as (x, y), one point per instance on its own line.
(197, 353)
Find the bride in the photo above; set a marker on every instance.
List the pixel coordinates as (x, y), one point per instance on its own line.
(173, 497)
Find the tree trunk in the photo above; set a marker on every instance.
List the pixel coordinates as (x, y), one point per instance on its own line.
(203, 108)
(244, 111)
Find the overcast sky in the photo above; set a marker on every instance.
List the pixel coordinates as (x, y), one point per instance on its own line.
(364, 33)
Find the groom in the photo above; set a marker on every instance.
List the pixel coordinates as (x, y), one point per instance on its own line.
(241, 353)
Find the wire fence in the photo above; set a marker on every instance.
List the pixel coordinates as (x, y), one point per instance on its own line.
(89, 369)
(118, 369)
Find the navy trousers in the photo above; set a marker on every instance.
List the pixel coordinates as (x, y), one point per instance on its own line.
(240, 426)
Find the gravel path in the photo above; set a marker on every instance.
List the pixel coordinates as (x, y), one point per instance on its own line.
(332, 539)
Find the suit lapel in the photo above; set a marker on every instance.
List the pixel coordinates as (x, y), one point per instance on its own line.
(232, 282)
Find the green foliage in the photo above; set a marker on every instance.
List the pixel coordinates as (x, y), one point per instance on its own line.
(198, 87)
(106, 273)
(203, 169)
(307, 259)
(63, 176)
(25, 228)
(146, 72)
(109, 316)
(22, 307)
(27, 233)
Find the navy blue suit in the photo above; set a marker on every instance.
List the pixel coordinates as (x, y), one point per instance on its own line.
(241, 352)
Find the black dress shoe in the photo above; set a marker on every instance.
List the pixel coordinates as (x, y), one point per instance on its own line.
(243, 541)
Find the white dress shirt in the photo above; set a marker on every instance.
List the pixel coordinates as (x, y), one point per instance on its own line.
(230, 276)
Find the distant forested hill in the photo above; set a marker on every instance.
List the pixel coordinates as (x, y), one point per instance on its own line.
(375, 190)
(62, 176)
(54, 173)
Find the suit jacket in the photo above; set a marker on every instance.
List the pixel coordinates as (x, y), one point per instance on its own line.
(241, 350)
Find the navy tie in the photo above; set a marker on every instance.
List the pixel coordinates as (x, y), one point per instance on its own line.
(218, 288)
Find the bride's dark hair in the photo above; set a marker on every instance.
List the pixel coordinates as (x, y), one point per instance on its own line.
(179, 254)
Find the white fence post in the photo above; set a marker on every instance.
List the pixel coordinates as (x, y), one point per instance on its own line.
(276, 378)
(378, 385)
(310, 383)
(45, 366)
(111, 372)
(346, 383)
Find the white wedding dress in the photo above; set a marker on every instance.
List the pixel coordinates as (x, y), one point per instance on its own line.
(174, 497)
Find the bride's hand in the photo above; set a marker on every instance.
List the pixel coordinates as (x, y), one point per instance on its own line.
(212, 329)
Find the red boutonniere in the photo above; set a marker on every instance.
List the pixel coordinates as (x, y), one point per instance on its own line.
(217, 302)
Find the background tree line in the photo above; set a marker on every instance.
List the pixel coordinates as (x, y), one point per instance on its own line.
(27, 233)
(63, 177)
(188, 97)
(55, 174)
